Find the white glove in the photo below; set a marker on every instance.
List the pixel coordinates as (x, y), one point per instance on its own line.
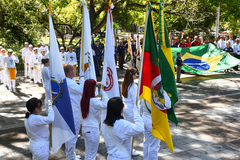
(50, 103)
(101, 91)
(81, 73)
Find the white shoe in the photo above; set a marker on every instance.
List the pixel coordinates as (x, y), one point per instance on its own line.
(135, 153)
(77, 157)
(79, 137)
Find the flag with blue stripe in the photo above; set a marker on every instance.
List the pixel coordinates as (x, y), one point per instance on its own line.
(63, 128)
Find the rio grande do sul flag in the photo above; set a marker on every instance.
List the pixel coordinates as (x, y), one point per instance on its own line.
(151, 88)
(166, 64)
(63, 128)
(205, 59)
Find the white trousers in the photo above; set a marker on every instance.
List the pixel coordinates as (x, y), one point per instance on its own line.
(46, 97)
(91, 139)
(40, 151)
(4, 77)
(151, 145)
(37, 75)
(30, 72)
(71, 144)
(25, 70)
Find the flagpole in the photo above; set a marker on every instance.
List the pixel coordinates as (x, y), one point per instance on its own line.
(82, 44)
(50, 125)
(142, 56)
(141, 65)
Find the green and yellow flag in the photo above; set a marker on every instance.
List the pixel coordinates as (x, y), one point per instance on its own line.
(166, 64)
(205, 59)
(151, 86)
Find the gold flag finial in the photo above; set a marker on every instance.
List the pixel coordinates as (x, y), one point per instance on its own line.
(110, 2)
(50, 6)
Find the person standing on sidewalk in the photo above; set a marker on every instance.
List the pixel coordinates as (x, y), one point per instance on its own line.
(151, 145)
(122, 52)
(117, 131)
(37, 128)
(11, 71)
(75, 93)
(179, 63)
(90, 108)
(24, 50)
(129, 90)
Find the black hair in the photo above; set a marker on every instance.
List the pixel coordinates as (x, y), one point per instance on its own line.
(114, 109)
(45, 60)
(31, 105)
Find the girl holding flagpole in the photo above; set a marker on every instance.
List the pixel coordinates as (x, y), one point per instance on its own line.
(117, 131)
(37, 128)
(129, 91)
(90, 107)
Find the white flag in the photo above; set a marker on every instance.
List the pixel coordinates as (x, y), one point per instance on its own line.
(63, 128)
(109, 77)
(86, 60)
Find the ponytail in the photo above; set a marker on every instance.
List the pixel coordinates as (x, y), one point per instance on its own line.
(31, 105)
(27, 114)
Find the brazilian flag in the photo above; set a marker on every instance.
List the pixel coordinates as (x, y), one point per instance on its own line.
(205, 59)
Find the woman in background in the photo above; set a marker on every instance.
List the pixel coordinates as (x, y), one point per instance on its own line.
(129, 91)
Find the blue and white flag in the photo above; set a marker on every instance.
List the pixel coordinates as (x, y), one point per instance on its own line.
(63, 128)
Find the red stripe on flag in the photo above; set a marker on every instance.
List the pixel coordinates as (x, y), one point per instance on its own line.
(149, 71)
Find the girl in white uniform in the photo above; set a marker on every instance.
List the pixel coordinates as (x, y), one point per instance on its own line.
(90, 107)
(37, 128)
(117, 131)
(35, 63)
(129, 91)
(11, 70)
(63, 56)
(151, 145)
(45, 78)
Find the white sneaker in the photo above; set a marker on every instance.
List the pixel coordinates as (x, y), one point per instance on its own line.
(79, 137)
(77, 157)
(135, 153)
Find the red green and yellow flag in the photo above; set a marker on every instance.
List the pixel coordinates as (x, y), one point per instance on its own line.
(151, 87)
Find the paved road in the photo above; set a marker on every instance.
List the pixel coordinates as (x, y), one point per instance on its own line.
(208, 111)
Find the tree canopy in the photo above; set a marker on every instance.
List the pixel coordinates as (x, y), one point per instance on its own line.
(23, 20)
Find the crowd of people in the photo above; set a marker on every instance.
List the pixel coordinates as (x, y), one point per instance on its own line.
(123, 120)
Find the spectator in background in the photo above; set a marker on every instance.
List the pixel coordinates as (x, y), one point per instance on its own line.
(216, 43)
(231, 41)
(222, 43)
(196, 42)
(236, 49)
(122, 52)
(78, 52)
(183, 44)
(228, 48)
(188, 42)
(179, 63)
(177, 40)
(174, 44)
